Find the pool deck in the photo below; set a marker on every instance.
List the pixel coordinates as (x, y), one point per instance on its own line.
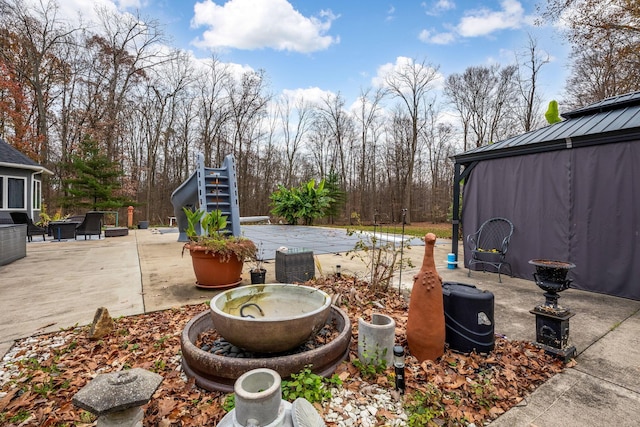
(61, 283)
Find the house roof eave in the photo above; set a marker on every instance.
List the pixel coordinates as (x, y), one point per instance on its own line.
(34, 168)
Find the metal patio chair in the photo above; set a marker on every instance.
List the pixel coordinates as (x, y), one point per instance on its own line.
(489, 245)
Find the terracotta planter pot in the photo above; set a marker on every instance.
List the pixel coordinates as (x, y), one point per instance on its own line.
(211, 272)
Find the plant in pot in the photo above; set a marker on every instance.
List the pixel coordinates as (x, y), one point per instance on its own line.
(258, 272)
(217, 257)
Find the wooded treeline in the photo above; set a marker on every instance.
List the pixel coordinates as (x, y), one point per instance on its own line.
(151, 108)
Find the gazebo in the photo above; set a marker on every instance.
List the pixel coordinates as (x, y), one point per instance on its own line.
(572, 191)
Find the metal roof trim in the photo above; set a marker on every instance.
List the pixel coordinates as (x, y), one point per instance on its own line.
(613, 103)
(623, 120)
(568, 142)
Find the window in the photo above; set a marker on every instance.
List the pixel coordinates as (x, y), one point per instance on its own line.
(37, 195)
(12, 192)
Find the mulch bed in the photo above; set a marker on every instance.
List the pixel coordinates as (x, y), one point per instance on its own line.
(49, 369)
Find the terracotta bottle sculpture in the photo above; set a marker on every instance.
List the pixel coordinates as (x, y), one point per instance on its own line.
(425, 324)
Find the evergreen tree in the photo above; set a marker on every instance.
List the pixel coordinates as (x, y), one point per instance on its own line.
(336, 193)
(95, 180)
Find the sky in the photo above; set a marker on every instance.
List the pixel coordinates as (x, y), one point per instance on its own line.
(345, 45)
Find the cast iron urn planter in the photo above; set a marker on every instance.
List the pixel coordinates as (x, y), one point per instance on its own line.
(552, 320)
(551, 276)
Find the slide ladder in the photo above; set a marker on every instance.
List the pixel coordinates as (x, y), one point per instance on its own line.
(209, 189)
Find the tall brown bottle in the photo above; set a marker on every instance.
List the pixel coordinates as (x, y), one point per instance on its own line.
(425, 324)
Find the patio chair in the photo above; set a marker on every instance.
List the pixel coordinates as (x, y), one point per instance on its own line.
(489, 245)
(32, 229)
(92, 224)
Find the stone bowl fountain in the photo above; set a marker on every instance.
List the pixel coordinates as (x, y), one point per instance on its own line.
(270, 318)
(219, 372)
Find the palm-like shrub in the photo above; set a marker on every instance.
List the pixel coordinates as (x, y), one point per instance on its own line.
(307, 202)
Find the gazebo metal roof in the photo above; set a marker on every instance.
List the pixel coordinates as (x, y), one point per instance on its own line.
(614, 119)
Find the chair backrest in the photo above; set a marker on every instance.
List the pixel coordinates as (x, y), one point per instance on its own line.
(495, 233)
(20, 218)
(92, 223)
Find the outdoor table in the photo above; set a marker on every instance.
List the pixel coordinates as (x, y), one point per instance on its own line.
(63, 229)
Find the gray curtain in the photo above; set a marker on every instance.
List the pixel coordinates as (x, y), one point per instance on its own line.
(580, 205)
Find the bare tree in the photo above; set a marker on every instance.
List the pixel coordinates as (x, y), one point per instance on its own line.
(605, 35)
(33, 38)
(412, 84)
(186, 133)
(248, 100)
(438, 148)
(399, 134)
(340, 125)
(601, 71)
(214, 110)
(528, 111)
(166, 83)
(368, 120)
(293, 133)
(457, 95)
(320, 143)
(482, 96)
(122, 53)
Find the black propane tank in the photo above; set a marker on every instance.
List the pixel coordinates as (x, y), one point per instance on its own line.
(468, 318)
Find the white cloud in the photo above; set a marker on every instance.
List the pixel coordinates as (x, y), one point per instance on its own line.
(437, 7)
(427, 36)
(482, 22)
(391, 12)
(73, 11)
(479, 22)
(402, 62)
(204, 65)
(247, 24)
(130, 4)
(445, 5)
(312, 95)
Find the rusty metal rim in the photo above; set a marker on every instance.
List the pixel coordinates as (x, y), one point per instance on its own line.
(213, 372)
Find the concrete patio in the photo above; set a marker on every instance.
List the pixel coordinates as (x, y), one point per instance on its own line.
(60, 284)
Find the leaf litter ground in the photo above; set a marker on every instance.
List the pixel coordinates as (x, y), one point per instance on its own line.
(41, 374)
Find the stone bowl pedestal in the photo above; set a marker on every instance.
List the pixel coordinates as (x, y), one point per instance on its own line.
(218, 372)
(270, 318)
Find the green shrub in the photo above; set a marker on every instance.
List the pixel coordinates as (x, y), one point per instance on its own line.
(374, 364)
(309, 386)
(425, 408)
(307, 202)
